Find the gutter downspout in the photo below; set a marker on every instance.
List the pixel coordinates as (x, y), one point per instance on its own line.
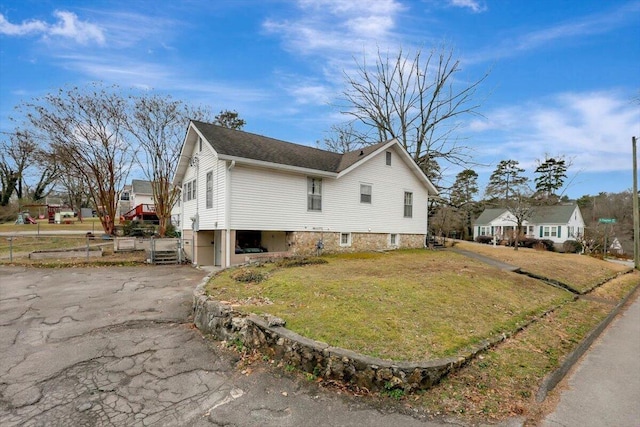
(227, 214)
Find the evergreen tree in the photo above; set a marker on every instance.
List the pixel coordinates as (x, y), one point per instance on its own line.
(506, 180)
(551, 175)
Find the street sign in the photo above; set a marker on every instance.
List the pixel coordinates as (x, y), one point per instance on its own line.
(607, 220)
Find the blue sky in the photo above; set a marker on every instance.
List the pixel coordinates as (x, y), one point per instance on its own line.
(563, 74)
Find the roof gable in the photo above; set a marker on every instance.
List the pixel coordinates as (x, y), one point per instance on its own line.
(489, 215)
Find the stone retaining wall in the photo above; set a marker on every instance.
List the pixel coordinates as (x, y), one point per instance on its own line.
(269, 335)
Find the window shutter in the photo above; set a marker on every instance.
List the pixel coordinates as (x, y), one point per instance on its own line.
(541, 231)
(559, 228)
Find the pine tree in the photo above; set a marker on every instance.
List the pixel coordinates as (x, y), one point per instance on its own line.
(551, 175)
(506, 180)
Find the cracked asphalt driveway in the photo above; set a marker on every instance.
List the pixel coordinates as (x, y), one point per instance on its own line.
(115, 346)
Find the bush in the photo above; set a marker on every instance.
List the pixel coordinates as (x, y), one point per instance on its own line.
(484, 239)
(298, 262)
(544, 245)
(137, 229)
(572, 247)
(245, 275)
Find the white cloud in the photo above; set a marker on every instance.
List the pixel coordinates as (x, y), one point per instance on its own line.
(474, 5)
(27, 27)
(594, 129)
(582, 27)
(68, 26)
(343, 27)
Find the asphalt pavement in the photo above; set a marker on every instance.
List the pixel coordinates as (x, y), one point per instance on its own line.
(115, 346)
(604, 387)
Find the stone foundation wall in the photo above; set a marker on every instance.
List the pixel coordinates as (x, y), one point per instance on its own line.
(304, 243)
(269, 335)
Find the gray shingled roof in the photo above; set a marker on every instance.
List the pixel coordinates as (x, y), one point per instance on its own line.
(139, 186)
(489, 215)
(235, 143)
(560, 214)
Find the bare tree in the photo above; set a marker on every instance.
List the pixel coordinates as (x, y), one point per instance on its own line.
(342, 139)
(158, 124)
(416, 100)
(86, 132)
(522, 210)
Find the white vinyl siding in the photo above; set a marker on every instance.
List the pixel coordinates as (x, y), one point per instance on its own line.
(268, 199)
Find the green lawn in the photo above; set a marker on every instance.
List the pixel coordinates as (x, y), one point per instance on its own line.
(405, 305)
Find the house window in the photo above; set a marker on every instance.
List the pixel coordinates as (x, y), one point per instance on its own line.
(365, 193)
(554, 231)
(314, 194)
(393, 239)
(189, 191)
(345, 239)
(550, 232)
(571, 232)
(408, 204)
(124, 196)
(199, 144)
(388, 158)
(530, 232)
(209, 190)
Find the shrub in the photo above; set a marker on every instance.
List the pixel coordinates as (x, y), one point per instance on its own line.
(245, 275)
(572, 246)
(528, 242)
(298, 262)
(484, 239)
(544, 245)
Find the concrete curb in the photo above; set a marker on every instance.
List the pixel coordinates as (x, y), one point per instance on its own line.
(552, 380)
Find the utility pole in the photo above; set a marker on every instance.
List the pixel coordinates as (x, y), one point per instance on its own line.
(636, 216)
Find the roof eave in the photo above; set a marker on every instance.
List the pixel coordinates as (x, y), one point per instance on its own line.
(278, 166)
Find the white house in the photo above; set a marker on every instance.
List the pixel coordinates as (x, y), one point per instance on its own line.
(136, 201)
(244, 194)
(556, 223)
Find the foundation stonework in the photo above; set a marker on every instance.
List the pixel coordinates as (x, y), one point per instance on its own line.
(305, 242)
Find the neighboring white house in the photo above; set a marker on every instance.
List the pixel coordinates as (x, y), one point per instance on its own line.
(136, 201)
(138, 193)
(556, 223)
(243, 194)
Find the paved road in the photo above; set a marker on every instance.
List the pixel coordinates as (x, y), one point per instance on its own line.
(604, 388)
(112, 346)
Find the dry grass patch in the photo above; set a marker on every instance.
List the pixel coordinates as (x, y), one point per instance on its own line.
(405, 305)
(504, 381)
(580, 272)
(618, 288)
(25, 244)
